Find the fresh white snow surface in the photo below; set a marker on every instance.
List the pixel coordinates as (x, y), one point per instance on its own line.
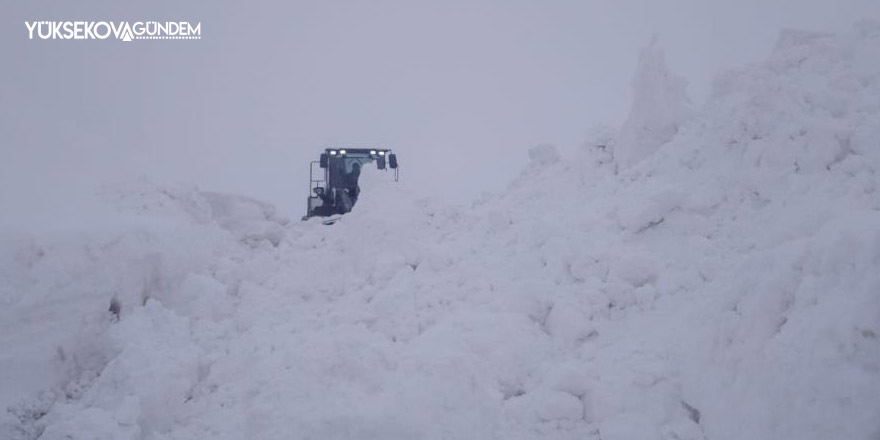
(706, 272)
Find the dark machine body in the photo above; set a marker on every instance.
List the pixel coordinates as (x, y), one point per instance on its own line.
(333, 185)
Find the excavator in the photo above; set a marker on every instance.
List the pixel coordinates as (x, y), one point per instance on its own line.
(333, 184)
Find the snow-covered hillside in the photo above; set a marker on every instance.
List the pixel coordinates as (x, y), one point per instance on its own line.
(705, 272)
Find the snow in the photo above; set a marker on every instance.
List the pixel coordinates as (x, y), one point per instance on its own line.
(705, 272)
(660, 106)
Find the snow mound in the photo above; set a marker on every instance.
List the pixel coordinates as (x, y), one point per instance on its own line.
(660, 107)
(251, 221)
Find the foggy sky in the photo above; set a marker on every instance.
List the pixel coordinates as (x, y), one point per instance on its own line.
(460, 89)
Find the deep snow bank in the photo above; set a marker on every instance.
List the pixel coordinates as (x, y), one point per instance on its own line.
(58, 287)
(751, 239)
(718, 280)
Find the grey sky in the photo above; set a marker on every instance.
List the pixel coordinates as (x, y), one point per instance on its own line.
(461, 89)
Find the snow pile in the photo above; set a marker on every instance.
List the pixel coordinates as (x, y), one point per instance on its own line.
(63, 292)
(660, 106)
(748, 242)
(708, 273)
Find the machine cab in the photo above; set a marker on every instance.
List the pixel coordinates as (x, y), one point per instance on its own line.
(333, 185)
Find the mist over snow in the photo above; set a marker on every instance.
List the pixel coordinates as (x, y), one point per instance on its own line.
(704, 272)
(460, 88)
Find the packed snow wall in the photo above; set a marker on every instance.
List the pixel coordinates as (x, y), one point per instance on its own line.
(711, 272)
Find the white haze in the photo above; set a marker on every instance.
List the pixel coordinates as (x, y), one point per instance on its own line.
(461, 89)
(705, 272)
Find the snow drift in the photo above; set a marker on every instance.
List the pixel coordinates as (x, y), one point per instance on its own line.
(707, 273)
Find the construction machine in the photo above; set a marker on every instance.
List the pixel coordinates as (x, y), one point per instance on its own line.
(333, 178)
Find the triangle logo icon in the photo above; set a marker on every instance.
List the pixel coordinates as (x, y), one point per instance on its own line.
(126, 34)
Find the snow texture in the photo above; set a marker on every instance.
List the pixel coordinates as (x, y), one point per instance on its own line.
(702, 273)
